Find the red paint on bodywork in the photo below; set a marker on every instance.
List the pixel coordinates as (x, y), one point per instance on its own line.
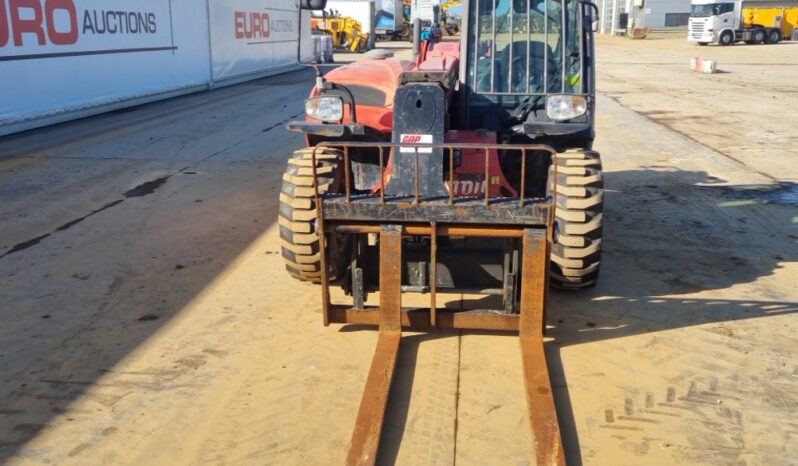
(469, 176)
(384, 75)
(442, 58)
(450, 51)
(378, 74)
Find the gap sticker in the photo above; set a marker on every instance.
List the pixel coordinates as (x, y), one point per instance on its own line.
(415, 139)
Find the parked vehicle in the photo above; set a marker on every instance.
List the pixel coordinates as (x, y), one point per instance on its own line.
(728, 22)
(388, 23)
(347, 33)
(468, 169)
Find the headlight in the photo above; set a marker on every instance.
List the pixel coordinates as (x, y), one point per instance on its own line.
(565, 107)
(329, 109)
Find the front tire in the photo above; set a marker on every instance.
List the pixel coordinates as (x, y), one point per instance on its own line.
(576, 252)
(726, 38)
(297, 211)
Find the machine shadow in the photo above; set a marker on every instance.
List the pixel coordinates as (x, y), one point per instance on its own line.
(670, 233)
(134, 308)
(400, 393)
(397, 411)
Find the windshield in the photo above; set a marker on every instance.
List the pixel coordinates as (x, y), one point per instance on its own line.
(522, 47)
(712, 9)
(701, 11)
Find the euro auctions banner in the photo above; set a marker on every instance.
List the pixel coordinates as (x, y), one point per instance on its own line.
(58, 56)
(251, 36)
(39, 29)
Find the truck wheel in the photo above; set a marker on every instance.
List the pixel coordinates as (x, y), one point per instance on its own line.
(726, 38)
(774, 36)
(576, 253)
(297, 212)
(758, 37)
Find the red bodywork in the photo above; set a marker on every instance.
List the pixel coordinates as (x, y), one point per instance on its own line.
(378, 74)
(436, 59)
(469, 177)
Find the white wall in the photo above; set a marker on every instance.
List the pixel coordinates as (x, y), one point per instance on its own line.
(250, 36)
(110, 57)
(82, 57)
(657, 9)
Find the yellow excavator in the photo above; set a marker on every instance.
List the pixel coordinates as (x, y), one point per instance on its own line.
(443, 23)
(346, 32)
(450, 23)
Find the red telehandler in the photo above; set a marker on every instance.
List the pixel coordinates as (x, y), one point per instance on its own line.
(468, 169)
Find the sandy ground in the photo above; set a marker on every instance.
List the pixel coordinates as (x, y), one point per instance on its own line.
(747, 111)
(147, 318)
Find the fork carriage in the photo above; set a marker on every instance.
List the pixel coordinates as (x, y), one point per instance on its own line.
(401, 224)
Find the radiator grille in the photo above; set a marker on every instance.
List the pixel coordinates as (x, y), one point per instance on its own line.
(696, 29)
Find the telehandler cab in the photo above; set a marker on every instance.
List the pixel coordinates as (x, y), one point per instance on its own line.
(468, 169)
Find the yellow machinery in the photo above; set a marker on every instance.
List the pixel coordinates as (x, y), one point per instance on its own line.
(346, 32)
(785, 18)
(407, 27)
(445, 6)
(450, 24)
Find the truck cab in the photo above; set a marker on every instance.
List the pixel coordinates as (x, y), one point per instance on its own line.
(710, 18)
(727, 22)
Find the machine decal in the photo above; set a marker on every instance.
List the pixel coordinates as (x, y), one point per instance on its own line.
(416, 139)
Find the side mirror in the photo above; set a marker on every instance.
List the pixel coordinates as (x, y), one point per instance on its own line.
(312, 4)
(591, 23)
(590, 18)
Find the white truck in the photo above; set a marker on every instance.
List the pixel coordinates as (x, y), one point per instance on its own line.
(727, 22)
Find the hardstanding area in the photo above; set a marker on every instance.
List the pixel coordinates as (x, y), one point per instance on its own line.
(148, 317)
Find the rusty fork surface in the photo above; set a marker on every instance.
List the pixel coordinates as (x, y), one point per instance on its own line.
(529, 322)
(370, 417)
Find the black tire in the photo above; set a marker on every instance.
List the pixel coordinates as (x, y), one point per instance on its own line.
(297, 212)
(758, 36)
(726, 38)
(774, 36)
(703, 43)
(576, 253)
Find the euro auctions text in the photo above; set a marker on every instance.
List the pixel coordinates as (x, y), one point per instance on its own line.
(257, 25)
(61, 22)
